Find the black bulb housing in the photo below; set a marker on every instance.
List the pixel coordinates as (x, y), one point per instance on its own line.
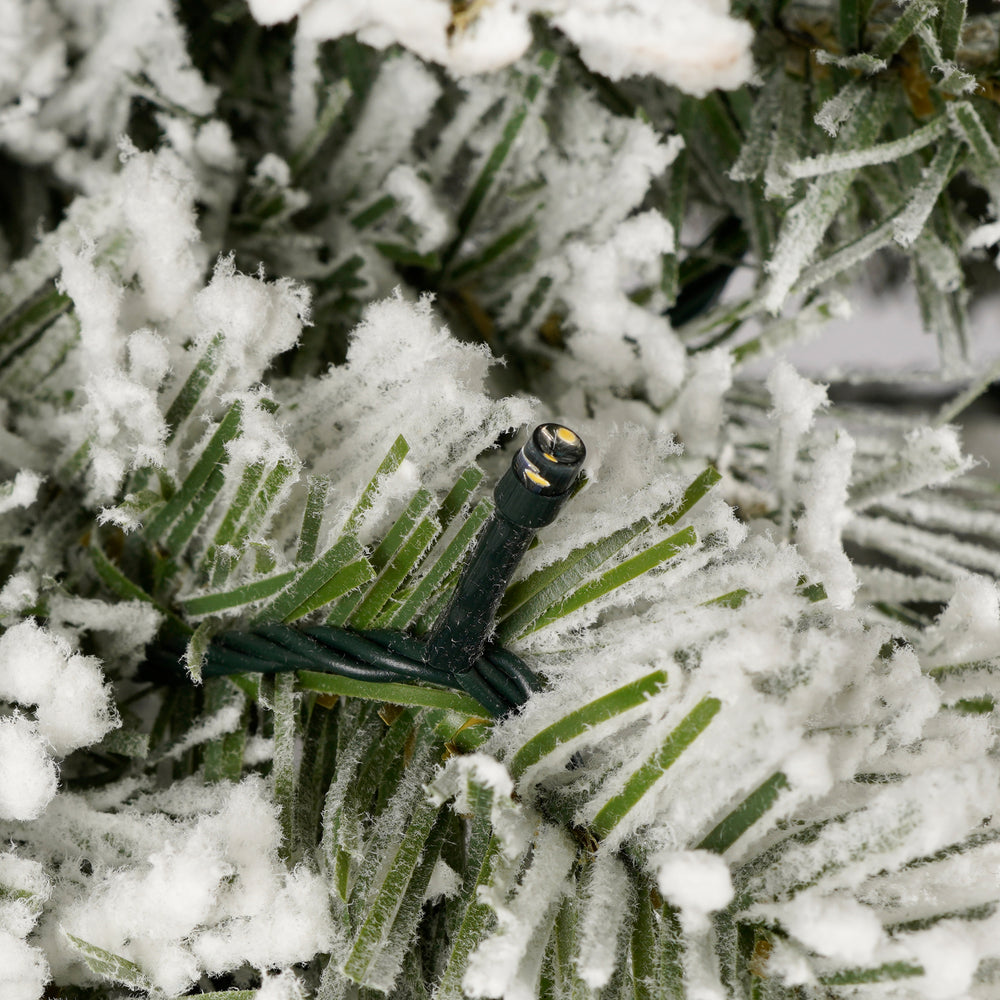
(529, 495)
(541, 477)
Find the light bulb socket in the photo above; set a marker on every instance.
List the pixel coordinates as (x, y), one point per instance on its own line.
(529, 495)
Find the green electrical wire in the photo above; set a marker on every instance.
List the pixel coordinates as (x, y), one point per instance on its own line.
(457, 654)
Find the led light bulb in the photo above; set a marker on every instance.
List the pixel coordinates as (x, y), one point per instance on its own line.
(550, 460)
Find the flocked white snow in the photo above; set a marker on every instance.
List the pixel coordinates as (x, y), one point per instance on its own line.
(177, 879)
(693, 45)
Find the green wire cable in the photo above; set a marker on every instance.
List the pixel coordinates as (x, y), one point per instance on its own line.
(530, 495)
(457, 654)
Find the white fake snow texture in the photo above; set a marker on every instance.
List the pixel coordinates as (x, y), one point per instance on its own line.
(201, 894)
(21, 492)
(835, 927)
(23, 970)
(73, 707)
(693, 44)
(257, 320)
(27, 773)
(208, 891)
(697, 882)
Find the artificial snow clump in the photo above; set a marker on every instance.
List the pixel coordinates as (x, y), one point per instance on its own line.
(691, 44)
(131, 252)
(204, 892)
(73, 705)
(261, 439)
(97, 298)
(121, 409)
(795, 402)
(597, 149)
(127, 627)
(251, 319)
(27, 773)
(694, 46)
(593, 253)
(698, 408)
(24, 888)
(834, 926)
(696, 882)
(21, 492)
(819, 529)
(476, 769)
(23, 970)
(165, 250)
(969, 627)
(284, 986)
(615, 340)
(949, 956)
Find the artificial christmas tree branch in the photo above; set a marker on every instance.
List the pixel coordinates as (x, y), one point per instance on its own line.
(258, 266)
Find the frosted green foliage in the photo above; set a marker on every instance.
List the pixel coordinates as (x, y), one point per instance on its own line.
(674, 777)
(404, 374)
(912, 220)
(927, 456)
(880, 153)
(839, 486)
(787, 138)
(671, 806)
(615, 470)
(839, 108)
(77, 70)
(249, 373)
(863, 61)
(143, 234)
(766, 112)
(509, 961)
(953, 80)
(110, 967)
(591, 255)
(809, 219)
